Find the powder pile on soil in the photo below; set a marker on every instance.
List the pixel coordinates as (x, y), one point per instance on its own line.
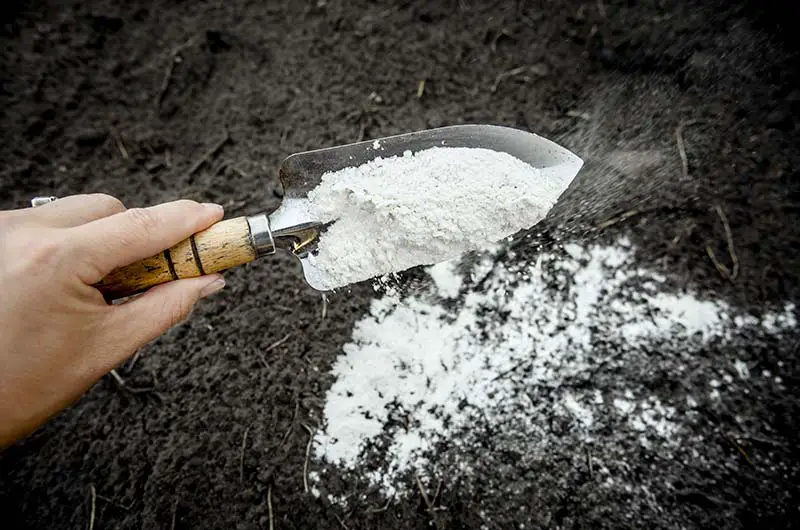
(419, 371)
(422, 208)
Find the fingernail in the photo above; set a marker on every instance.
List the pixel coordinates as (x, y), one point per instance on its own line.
(212, 287)
(214, 206)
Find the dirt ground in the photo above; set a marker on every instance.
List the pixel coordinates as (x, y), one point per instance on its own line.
(676, 109)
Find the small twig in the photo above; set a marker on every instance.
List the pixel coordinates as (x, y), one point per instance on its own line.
(263, 360)
(269, 507)
(221, 168)
(355, 115)
(423, 493)
(511, 370)
(211, 153)
(308, 455)
(759, 439)
(120, 144)
(729, 239)
(124, 386)
(505, 75)
(428, 503)
(174, 514)
(270, 348)
(681, 206)
(682, 150)
(241, 455)
(324, 306)
(618, 219)
(382, 508)
(133, 360)
(585, 116)
(682, 146)
(341, 522)
(278, 343)
(93, 492)
(175, 59)
(688, 493)
(420, 88)
(728, 274)
(493, 44)
(115, 503)
(686, 230)
(117, 378)
(437, 490)
(722, 269)
(742, 451)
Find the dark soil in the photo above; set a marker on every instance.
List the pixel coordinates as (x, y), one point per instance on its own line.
(126, 97)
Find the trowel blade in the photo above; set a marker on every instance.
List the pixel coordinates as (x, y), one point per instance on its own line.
(302, 172)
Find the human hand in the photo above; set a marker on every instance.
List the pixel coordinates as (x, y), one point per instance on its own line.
(58, 336)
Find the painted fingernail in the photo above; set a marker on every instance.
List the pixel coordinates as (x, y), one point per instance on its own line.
(212, 287)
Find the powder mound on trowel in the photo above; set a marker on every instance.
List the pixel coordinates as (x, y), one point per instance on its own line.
(395, 213)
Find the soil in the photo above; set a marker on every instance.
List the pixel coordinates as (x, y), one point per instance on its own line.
(209, 431)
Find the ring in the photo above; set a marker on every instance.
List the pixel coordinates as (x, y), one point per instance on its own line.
(39, 201)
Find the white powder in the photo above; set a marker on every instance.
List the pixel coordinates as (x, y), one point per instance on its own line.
(422, 208)
(416, 373)
(654, 419)
(624, 406)
(445, 276)
(582, 414)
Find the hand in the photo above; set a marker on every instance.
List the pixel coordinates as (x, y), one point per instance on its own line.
(58, 336)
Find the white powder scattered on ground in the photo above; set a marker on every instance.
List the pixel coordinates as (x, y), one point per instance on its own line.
(423, 208)
(582, 414)
(445, 276)
(741, 369)
(416, 373)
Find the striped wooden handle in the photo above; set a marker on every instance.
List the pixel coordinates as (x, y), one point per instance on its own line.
(220, 247)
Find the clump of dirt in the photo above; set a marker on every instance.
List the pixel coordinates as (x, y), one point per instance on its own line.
(680, 113)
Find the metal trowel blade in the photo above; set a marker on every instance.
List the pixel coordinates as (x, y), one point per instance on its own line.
(302, 172)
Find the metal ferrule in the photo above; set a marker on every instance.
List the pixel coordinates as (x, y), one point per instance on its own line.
(261, 235)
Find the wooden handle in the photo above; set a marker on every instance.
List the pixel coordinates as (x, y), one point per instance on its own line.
(220, 247)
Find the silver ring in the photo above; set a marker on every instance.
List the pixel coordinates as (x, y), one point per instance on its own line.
(39, 201)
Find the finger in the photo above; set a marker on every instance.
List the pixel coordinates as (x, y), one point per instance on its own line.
(138, 233)
(148, 316)
(75, 210)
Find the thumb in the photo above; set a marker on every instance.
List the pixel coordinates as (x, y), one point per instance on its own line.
(148, 316)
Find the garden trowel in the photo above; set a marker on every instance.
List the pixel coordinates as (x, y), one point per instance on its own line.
(233, 242)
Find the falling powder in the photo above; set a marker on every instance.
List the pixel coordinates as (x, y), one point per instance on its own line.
(418, 372)
(422, 208)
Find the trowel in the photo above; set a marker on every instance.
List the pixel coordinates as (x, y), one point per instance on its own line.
(237, 241)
